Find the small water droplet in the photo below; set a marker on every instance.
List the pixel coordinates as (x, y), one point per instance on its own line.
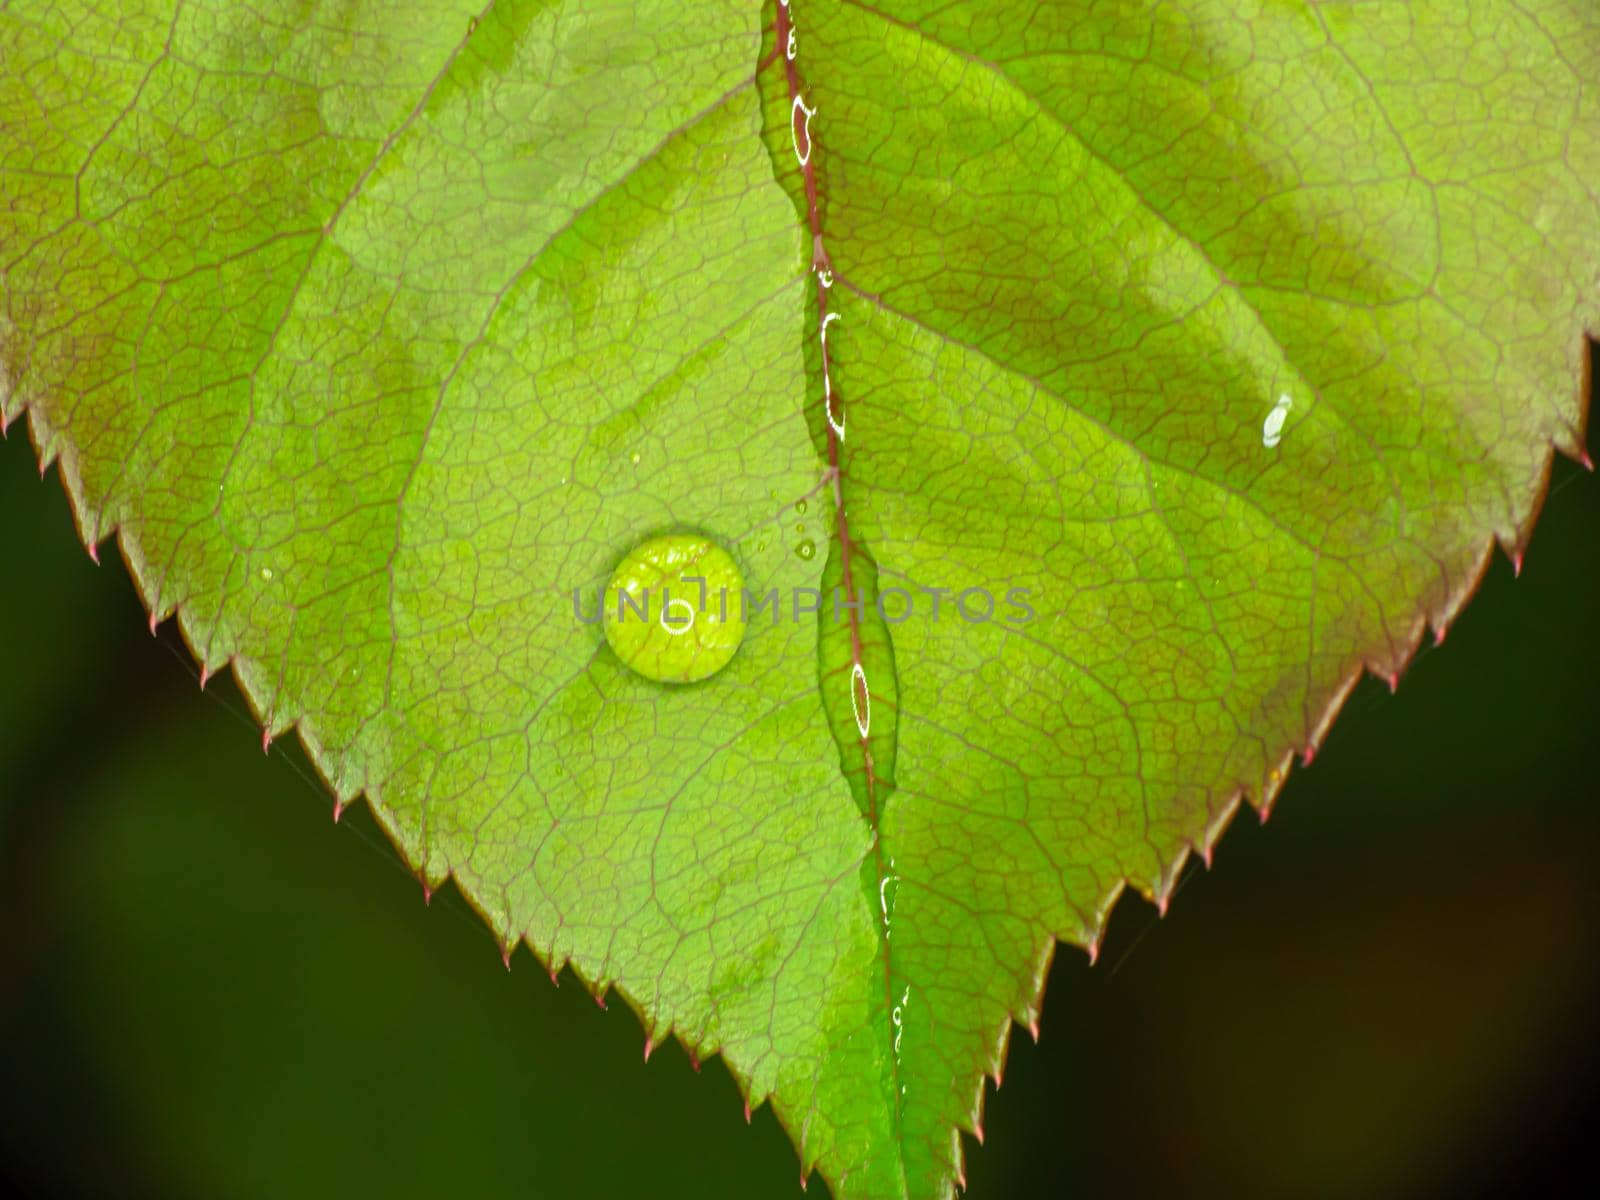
(634, 458)
(761, 545)
(800, 507)
(1272, 427)
(266, 572)
(800, 527)
(806, 548)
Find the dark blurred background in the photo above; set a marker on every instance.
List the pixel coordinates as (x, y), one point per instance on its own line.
(207, 989)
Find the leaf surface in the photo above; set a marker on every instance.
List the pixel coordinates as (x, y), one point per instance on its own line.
(1224, 339)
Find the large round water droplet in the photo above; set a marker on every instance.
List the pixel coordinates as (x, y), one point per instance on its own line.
(806, 548)
(674, 608)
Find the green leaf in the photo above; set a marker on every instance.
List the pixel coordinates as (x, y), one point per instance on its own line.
(1224, 340)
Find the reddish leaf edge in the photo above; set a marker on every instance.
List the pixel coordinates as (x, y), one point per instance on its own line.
(53, 449)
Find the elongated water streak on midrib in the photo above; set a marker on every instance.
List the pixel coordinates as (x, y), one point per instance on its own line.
(800, 115)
